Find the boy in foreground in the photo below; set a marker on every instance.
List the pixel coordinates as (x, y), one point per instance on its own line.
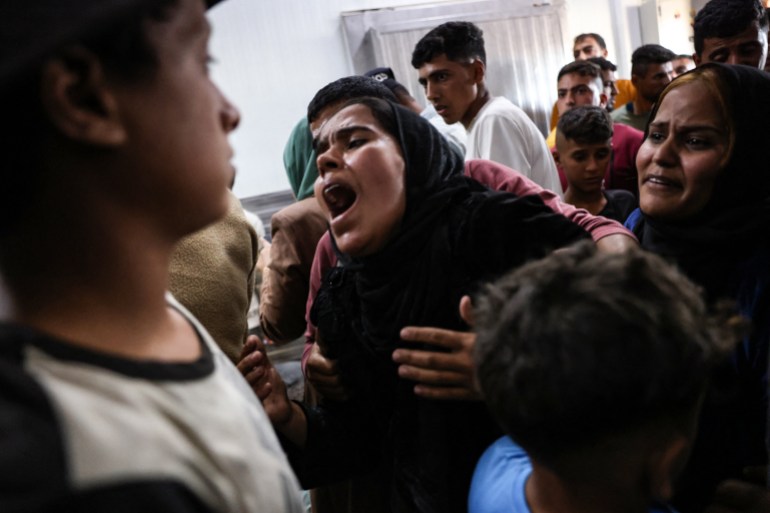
(112, 397)
(583, 151)
(595, 365)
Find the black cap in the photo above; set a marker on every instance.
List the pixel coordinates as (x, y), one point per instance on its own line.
(384, 75)
(32, 29)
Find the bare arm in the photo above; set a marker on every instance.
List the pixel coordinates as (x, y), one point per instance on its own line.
(502, 178)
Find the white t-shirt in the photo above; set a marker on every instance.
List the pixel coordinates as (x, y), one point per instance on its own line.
(503, 133)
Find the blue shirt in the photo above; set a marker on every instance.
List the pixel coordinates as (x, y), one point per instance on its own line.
(499, 479)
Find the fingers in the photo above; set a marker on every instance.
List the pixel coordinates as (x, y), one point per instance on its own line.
(251, 359)
(446, 393)
(249, 346)
(431, 360)
(322, 373)
(433, 377)
(318, 364)
(438, 337)
(447, 376)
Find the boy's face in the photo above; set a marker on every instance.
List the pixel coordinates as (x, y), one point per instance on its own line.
(575, 90)
(177, 124)
(451, 87)
(584, 165)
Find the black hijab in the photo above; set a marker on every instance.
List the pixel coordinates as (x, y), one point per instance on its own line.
(736, 220)
(447, 225)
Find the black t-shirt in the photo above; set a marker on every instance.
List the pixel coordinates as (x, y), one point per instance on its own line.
(620, 204)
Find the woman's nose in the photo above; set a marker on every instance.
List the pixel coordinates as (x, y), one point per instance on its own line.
(665, 153)
(327, 161)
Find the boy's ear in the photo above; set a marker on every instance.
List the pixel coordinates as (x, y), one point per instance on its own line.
(479, 70)
(665, 465)
(556, 156)
(78, 100)
(603, 100)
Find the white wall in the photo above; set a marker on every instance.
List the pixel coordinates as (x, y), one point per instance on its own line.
(273, 55)
(617, 21)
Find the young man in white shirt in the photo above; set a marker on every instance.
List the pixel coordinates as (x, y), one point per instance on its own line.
(451, 61)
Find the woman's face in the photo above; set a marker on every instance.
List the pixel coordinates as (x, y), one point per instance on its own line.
(686, 148)
(360, 185)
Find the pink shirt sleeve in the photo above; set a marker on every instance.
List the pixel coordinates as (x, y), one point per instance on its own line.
(324, 259)
(503, 178)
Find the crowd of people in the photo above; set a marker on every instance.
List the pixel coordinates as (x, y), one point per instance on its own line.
(493, 320)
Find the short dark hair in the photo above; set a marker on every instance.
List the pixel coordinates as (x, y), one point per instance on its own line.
(587, 124)
(567, 357)
(726, 18)
(582, 68)
(603, 63)
(599, 39)
(123, 49)
(649, 54)
(344, 89)
(459, 40)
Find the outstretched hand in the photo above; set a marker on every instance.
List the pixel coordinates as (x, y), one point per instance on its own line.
(267, 384)
(322, 373)
(441, 375)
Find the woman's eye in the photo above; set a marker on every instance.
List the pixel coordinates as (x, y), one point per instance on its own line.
(355, 143)
(656, 137)
(697, 142)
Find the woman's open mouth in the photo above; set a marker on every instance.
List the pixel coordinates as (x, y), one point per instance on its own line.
(661, 181)
(339, 198)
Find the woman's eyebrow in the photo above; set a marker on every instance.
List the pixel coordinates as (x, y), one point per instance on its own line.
(322, 144)
(687, 128)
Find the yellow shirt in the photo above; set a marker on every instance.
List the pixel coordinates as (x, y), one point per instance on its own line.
(551, 139)
(626, 92)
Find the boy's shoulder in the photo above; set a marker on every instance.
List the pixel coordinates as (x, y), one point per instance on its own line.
(32, 467)
(500, 112)
(36, 468)
(80, 430)
(499, 479)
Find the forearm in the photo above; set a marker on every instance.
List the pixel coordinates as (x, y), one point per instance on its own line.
(294, 428)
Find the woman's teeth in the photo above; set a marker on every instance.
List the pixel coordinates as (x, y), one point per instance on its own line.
(338, 198)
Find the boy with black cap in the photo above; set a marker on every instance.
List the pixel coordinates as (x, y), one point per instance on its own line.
(112, 397)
